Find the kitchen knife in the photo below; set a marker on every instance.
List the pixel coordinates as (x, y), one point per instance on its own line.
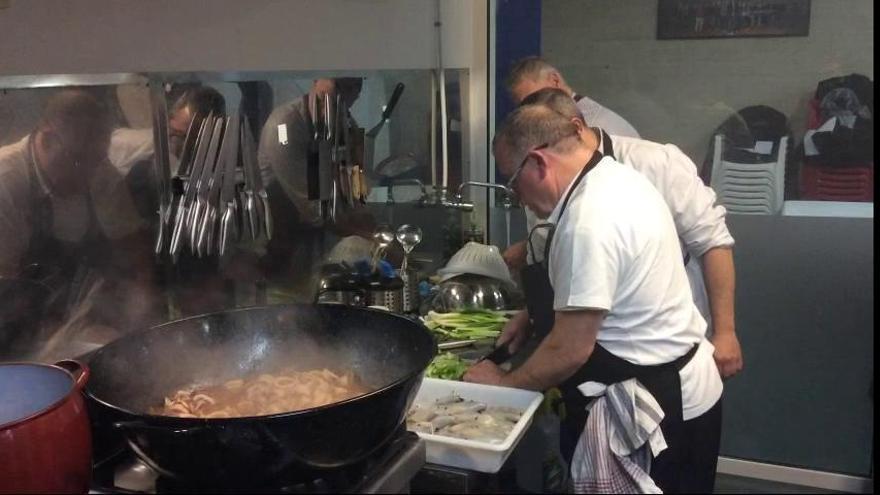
(325, 162)
(262, 203)
(370, 136)
(188, 151)
(313, 158)
(499, 355)
(187, 157)
(201, 147)
(226, 203)
(208, 225)
(249, 213)
(201, 204)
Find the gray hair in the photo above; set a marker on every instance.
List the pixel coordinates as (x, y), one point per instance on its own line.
(531, 68)
(557, 100)
(530, 126)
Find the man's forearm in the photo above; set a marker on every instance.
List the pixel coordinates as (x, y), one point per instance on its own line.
(553, 361)
(720, 278)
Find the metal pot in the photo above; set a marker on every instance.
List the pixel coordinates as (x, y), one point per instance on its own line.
(340, 284)
(45, 442)
(385, 292)
(133, 374)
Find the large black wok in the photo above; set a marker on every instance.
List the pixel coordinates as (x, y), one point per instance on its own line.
(135, 373)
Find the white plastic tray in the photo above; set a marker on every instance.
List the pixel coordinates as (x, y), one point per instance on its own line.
(471, 454)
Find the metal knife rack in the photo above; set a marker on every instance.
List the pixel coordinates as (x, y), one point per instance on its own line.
(216, 198)
(334, 172)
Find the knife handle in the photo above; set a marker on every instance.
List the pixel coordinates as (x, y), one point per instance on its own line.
(313, 174)
(398, 90)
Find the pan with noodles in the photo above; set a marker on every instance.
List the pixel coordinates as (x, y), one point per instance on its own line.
(288, 390)
(251, 393)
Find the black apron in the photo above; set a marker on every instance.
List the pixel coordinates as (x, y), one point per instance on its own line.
(662, 380)
(64, 263)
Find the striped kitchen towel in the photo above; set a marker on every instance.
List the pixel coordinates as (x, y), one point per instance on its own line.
(621, 436)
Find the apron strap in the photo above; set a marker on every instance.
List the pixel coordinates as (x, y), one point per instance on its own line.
(594, 160)
(607, 144)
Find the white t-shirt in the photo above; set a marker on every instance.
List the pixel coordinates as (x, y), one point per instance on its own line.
(128, 147)
(616, 249)
(114, 208)
(699, 221)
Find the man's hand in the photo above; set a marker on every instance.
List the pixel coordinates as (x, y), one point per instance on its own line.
(728, 355)
(515, 255)
(720, 280)
(515, 331)
(485, 372)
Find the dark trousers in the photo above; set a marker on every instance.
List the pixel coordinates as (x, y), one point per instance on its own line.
(689, 462)
(701, 444)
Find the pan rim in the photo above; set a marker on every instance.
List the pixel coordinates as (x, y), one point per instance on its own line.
(209, 422)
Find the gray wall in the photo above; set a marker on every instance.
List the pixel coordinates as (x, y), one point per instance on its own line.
(805, 319)
(99, 36)
(678, 91)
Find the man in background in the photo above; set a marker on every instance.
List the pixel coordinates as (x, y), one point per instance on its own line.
(66, 210)
(302, 236)
(533, 73)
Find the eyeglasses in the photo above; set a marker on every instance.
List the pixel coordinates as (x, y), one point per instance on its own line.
(511, 183)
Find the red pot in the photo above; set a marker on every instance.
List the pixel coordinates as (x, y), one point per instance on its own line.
(45, 441)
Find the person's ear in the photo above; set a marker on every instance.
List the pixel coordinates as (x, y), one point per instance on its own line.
(541, 162)
(555, 79)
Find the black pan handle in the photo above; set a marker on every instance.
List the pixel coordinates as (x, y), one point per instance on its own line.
(398, 90)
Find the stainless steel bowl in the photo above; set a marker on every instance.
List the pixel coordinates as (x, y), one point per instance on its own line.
(471, 292)
(452, 296)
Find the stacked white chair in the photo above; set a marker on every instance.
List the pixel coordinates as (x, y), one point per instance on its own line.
(749, 188)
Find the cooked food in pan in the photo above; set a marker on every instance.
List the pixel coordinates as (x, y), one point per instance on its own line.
(264, 394)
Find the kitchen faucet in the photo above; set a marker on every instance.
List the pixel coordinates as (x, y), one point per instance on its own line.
(506, 202)
(439, 198)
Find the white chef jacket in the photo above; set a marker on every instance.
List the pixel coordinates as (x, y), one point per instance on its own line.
(597, 115)
(128, 147)
(699, 221)
(616, 249)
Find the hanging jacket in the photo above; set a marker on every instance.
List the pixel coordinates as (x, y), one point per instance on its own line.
(845, 136)
(742, 131)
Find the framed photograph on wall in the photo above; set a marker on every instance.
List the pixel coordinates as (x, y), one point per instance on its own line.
(696, 19)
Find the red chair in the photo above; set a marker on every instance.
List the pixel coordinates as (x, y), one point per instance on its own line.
(813, 121)
(824, 183)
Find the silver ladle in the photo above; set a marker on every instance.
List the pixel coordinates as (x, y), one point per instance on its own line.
(409, 236)
(383, 237)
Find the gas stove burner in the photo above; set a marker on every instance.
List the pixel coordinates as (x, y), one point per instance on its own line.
(388, 470)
